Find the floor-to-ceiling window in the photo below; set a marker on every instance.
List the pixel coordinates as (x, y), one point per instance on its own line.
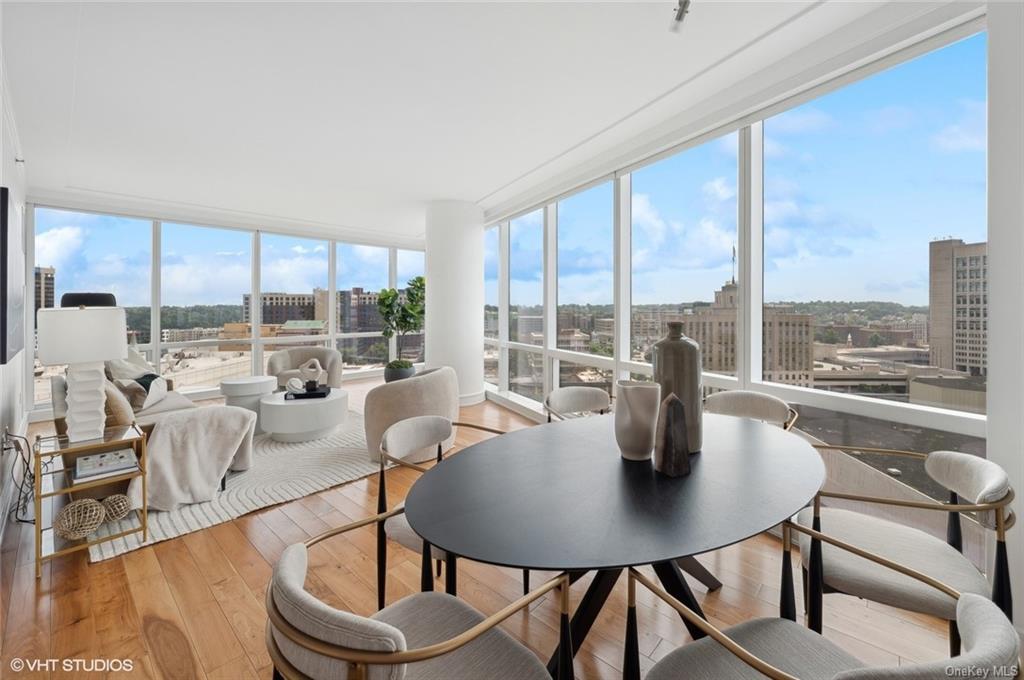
(526, 304)
(79, 252)
(875, 229)
(491, 304)
(410, 265)
(362, 272)
(683, 259)
(205, 280)
(293, 292)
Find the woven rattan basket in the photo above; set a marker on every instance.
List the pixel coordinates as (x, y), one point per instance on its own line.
(79, 518)
(117, 507)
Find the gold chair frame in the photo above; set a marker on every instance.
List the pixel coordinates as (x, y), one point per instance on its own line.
(359, 660)
(426, 577)
(1001, 592)
(631, 664)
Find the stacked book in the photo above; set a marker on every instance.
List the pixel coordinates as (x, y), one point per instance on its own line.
(100, 465)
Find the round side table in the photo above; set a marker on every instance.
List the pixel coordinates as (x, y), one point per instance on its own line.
(247, 392)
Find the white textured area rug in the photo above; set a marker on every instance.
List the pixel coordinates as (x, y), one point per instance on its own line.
(280, 472)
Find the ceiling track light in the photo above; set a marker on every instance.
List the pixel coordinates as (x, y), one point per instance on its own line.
(682, 9)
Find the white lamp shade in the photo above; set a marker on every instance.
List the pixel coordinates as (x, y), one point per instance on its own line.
(75, 335)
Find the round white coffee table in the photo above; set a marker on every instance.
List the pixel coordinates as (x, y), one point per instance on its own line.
(246, 392)
(300, 420)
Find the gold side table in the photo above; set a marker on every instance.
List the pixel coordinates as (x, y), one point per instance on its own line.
(53, 464)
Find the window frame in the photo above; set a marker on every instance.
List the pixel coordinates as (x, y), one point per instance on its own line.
(42, 410)
(750, 268)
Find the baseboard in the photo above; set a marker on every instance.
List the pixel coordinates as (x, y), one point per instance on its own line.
(521, 405)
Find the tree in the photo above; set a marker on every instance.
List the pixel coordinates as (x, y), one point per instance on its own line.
(875, 340)
(402, 314)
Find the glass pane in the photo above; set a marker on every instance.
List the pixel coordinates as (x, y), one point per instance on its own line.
(411, 347)
(205, 280)
(203, 367)
(410, 265)
(491, 282)
(684, 212)
(875, 216)
(362, 274)
(293, 276)
(363, 354)
(88, 253)
(586, 315)
(526, 374)
(491, 357)
(526, 277)
(571, 374)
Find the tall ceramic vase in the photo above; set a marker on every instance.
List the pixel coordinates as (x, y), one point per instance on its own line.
(636, 418)
(677, 368)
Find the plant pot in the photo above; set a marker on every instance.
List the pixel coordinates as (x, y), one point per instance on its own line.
(393, 374)
(636, 418)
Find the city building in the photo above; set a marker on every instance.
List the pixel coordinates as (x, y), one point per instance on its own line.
(278, 308)
(189, 334)
(44, 287)
(958, 305)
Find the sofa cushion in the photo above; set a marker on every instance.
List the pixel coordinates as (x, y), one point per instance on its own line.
(118, 410)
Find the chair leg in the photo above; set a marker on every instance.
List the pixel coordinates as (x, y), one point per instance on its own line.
(526, 581)
(816, 581)
(787, 600)
(450, 575)
(438, 562)
(954, 639)
(382, 565)
(804, 581)
(1001, 593)
(631, 654)
(277, 675)
(224, 482)
(426, 577)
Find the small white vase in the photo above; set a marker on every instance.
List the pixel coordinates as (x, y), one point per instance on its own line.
(636, 418)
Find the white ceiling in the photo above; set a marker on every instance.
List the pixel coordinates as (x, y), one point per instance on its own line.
(347, 117)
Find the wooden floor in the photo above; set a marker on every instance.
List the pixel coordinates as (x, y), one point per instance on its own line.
(192, 607)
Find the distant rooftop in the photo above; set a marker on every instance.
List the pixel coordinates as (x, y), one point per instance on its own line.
(301, 324)
(955, 382)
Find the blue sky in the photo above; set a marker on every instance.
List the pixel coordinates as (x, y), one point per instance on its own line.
(856, 185)
(200, 265)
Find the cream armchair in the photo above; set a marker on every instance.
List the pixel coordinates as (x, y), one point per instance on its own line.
(284, 364)
(428, 393)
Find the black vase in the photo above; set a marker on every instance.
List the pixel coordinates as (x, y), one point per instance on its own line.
(677, 368)
(671, 452)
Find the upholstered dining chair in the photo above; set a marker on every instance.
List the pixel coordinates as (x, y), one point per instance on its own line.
(576, 400)
(755, 405)
(975, 485)
(400, 441)
(425, 636)
(782, 649)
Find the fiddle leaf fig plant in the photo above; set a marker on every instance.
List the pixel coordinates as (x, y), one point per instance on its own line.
(402, 313)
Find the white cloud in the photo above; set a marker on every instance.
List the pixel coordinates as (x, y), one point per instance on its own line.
(969, 133)
(648, 219)
(57, 246)
(773, 148)
(718, 190)
(303, 250)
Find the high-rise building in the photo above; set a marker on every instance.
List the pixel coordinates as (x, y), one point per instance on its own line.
(788, 341)
(277, 308)
(44, 287)
(958, 305)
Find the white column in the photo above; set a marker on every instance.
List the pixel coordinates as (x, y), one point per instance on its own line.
(455, 293)
(1005, 444)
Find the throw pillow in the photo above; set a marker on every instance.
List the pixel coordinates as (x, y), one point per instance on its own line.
(118, 409)
(143, 391)
(129, 368)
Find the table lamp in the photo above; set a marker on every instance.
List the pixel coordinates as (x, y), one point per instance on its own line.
(83, 338)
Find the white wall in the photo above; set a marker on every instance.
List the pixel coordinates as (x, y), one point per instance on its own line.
(13, 414)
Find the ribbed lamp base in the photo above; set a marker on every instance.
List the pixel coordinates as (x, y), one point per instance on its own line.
(86, 418)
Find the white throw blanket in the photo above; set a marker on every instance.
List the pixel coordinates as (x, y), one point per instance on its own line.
(189, 451)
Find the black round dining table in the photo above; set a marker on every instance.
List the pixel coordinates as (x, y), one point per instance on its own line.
(560, 497)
